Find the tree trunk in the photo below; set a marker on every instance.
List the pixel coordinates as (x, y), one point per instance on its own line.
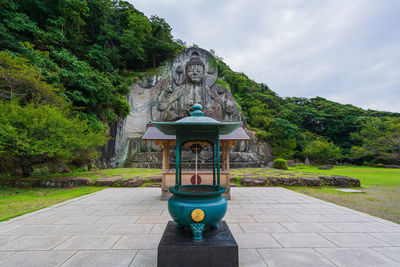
(26, 167)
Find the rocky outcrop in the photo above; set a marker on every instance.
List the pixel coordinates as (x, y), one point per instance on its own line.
(132, 182)
(283, 181)
(108, 181)
(342, 181)
(310, 181)
(64, 182)
(168, 95)
(251, 181)
(326, 167)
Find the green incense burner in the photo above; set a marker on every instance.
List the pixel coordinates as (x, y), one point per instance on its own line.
(197, 206)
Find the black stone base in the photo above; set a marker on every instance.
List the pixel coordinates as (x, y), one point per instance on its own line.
(177, 248)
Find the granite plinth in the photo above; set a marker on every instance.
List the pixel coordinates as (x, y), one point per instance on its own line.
(177, 248)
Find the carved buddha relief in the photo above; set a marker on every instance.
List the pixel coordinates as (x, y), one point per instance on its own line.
(193, 81)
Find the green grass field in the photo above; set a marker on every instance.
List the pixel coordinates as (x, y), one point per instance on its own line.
(369, 176)
(17, 201)
(380, 186)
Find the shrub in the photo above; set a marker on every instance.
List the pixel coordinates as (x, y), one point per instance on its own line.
(379, 165)
(322, 151)
(36, 135)
(280, 164)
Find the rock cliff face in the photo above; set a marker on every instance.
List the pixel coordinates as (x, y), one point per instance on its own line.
(168, 96)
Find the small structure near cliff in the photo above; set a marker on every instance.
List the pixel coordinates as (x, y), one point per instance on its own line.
(168, 96)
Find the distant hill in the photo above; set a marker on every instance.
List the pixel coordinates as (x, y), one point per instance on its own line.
(92, 51)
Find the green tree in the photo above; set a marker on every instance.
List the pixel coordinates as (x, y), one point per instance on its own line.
(34, 135)
(24, 83)
(380, 139)
(322, 151)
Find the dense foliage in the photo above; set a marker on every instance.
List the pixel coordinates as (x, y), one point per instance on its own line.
(281, 164)
(322, 129)
(84, 46)
(32, 135)
(65, 68)
(74, 60)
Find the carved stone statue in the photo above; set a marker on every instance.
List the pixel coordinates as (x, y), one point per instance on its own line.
(193, 81)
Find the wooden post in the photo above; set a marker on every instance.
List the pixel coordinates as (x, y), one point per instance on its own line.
(164, 156)
(167, 156)
(223, 156)
(227, 147)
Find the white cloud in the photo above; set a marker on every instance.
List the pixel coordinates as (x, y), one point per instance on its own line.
(346, 51)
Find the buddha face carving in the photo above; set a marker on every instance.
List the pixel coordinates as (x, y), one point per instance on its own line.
(195, 69)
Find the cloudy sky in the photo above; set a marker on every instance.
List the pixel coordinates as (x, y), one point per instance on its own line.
(344, 50)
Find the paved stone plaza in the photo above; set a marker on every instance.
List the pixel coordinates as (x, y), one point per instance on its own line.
(273, 227)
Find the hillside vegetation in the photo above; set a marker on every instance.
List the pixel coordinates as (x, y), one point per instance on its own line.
(65, 68)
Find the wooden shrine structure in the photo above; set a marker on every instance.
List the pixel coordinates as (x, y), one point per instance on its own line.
(227, 141)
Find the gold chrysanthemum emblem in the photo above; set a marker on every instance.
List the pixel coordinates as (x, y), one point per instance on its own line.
(197, 215)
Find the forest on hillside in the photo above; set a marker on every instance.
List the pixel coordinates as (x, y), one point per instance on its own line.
(65, 69)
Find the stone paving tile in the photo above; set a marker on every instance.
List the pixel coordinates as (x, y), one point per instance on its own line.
(263, 240)
(353, 240)
(263, 228)
(302, 240)
(101, 258)
(85, 242)
(154, 219)
(391, 252)
(239, 218)
(352, 227)
(83, 229)
(307, 228)
(116, 212)
(310, 218)
(158, 228)
(5, 239)
(78, 220)
(235, 228)
(348, 218)
(138, 242)
(128, 229)
(39, 220)
(35, 230)
(145, 258)
(272, 218)
(133, 219)
(250, 258)
(293, 257)
(276, 211)
(34, 242)
(356, 257)
(390, 238)
(37, 258)
(4, 254)
(118, 219)
(246, 211)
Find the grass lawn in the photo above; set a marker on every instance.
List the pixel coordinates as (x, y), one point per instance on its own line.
(17, 201)
(380, 186)
(95, 174)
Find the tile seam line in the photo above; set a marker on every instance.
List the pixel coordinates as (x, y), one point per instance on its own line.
(374, 249)
(134, 256)
(116, 242)
(68, 258)
(320, 234)
(52, 249)
(325, 257)
(258, 252)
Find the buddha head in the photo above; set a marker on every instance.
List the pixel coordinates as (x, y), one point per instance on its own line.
(195, 69)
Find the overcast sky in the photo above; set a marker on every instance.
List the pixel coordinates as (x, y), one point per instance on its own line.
(344, 50)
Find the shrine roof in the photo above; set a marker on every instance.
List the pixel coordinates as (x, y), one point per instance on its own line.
(152, 133)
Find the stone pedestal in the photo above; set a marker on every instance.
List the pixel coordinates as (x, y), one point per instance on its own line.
(177, 248)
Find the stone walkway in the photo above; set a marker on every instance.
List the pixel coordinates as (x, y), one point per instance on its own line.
(273, 227)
